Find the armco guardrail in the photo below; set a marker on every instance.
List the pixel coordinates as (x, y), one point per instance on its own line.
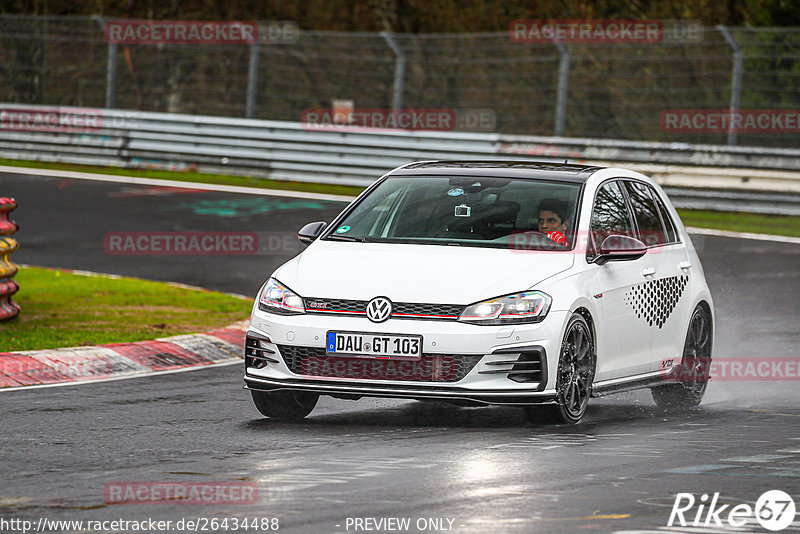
(8, 287)
(295, 151)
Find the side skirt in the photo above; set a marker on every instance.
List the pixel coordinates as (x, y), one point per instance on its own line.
(618, 385)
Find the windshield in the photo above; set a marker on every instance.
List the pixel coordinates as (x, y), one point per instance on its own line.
(469, 211)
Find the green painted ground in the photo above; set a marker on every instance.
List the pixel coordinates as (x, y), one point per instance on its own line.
(60, 309)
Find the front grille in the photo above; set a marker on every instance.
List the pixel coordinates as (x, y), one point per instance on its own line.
(434, 310)
(400, 310)
(313, 361)
(335, 305)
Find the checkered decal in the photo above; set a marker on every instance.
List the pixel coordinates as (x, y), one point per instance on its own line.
(654, 301)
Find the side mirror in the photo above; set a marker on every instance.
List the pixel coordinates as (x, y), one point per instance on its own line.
(311, 231)
(620, 248)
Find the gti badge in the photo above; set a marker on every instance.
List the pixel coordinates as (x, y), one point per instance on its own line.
(379, 309)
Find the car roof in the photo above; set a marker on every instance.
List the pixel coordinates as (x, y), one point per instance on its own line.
(531, 170)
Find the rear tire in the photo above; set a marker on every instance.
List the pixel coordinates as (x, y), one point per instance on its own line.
(692, 374)
(576, 366)
(284, 405)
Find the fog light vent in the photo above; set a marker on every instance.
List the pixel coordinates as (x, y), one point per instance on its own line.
(257, 353)
(524, 364)
(529, 368)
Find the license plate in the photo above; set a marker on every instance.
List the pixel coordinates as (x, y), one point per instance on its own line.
(401, 347)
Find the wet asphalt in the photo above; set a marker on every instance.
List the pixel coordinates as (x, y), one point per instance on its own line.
(440, 466)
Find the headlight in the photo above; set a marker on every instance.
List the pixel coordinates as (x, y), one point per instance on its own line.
(277, 298)
(526, 307)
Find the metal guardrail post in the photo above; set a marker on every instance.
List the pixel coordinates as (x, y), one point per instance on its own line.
(561, 93)
(111, 66)
(399, 70)
(8, 308)
(736, 79)
(111, 76)
(252, 81)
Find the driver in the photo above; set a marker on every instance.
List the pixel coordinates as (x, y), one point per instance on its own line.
(553, 220)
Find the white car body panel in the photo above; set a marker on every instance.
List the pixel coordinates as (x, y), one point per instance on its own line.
(416, 273)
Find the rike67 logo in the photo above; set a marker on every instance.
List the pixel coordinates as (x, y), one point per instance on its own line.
(774, 510)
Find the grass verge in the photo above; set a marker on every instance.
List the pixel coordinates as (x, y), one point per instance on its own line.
(756, 223)
(719, 220)
(61, 309)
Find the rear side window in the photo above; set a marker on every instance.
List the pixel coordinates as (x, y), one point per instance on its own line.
(669, 226)
(648, 218)
(610, 215)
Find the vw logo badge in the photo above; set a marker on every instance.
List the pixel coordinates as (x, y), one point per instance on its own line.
(379, 309)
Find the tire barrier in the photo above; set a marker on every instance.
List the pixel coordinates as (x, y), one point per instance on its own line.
(8, 308)
(8, 287)
(7, 267)
(7, 226)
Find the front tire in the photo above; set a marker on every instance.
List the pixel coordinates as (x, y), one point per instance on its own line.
(284, 405)
(692, 373)
(576, 366)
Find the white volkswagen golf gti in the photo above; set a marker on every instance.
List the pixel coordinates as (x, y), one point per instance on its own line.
(487, 282)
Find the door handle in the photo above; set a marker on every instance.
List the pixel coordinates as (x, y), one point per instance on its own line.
(685, 265)
(648, 271)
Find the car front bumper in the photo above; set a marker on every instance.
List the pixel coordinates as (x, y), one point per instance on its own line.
(513, 364)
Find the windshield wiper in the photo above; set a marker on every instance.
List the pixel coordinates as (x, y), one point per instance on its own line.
(343, 238)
